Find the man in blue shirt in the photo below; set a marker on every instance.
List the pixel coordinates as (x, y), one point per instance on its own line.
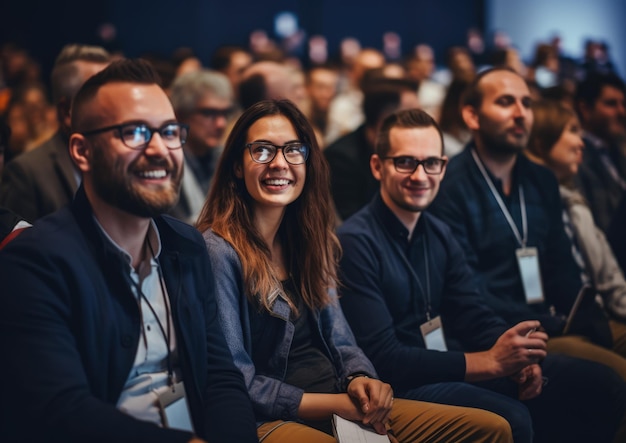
(410, 299)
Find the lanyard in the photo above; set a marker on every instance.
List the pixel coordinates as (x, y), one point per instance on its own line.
(401, 254)
(166, 335)
(521, 239)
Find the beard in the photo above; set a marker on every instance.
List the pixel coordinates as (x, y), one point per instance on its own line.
(113, 182)
(502, 144)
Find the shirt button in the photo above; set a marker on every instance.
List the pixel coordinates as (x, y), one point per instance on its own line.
(127, 341)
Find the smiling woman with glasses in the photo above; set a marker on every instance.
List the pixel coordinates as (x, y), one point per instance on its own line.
(138, 135)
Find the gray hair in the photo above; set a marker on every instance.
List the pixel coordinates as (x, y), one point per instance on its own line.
(66, 78)
(188, 88)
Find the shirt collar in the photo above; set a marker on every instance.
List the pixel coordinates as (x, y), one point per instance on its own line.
(392, 224)
(154, 239)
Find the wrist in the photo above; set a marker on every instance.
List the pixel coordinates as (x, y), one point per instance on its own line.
(350, 378)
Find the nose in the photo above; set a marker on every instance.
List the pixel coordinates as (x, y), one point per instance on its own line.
(419, 174)
(155, 146)
(279, 162)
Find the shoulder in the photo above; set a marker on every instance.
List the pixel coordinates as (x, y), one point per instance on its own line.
(180, 236)
(360, 224)
(346, 146)
(38, 158)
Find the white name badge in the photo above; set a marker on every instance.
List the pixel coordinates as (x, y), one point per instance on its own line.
(528, 262)
(174, 408)
(432, 331)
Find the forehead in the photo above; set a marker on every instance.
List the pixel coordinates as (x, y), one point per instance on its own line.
(210, 100)
(121, 102)
(611, 92)
(501, 83)
(416, 142)
(274, 128)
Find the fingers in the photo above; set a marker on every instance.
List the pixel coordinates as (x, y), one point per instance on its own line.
(379, 399)
(533, 384)
(526, 327)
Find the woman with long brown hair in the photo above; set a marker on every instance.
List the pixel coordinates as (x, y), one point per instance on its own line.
(268, 224)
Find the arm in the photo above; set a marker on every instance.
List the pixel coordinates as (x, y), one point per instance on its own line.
(271, 398)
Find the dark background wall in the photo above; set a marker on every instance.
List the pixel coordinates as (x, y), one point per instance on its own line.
(44, 26)
(160, 26)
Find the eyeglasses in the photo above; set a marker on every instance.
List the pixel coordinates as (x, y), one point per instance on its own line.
(294, 153)
(408, 165)
(138, 135)
(214, 113)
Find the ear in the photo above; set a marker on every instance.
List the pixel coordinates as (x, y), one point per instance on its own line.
(443, 170)
(376, 165)
(81, 152)
(238, 170)
(470, 117)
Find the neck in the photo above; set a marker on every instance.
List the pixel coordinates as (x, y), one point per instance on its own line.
(267, 223)
(127, 230)
(408, 218)
(500, 164)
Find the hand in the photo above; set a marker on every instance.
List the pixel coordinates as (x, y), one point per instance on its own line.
(375, 399)
(519, 347)
(530, 382)
(197, 440)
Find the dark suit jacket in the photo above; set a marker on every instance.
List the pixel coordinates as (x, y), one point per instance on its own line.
(40, 181)
(602, 192)
(71, 325)
(351, 179)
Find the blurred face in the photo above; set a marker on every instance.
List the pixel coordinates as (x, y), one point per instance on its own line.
(567, 154)
(607, 117)
(504, 119)
(239, 61)
(322, 88)
(409, 193)
(143, 182)
(276, 184)
(208, 123)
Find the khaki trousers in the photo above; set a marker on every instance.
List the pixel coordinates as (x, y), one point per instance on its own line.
(411, 421)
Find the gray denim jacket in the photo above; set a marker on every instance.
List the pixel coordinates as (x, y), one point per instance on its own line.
(264, 367)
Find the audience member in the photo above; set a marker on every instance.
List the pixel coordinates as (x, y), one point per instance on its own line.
(108, 307)
(44, 180)
(11, 224)
(268, 225)
(556, 142)
(352, 183)
(321, 86)
(403, 272)
(420, 69)
(455, 132)
(231, 61)
(601, 105)
(346, 110)
(203, 100)
(265, 80)
(506, 213)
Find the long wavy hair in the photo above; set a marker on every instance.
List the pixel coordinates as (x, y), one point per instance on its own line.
(307, 230)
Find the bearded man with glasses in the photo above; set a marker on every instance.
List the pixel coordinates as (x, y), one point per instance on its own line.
(409, 297)
(108, 308)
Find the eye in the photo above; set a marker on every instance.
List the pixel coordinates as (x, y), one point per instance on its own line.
(170, 132)
(295, 148)
(262, 152)
(506, 100)
(134, 132)
(432, 162)
(405, 162)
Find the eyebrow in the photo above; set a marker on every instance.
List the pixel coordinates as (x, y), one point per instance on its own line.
(272, 143)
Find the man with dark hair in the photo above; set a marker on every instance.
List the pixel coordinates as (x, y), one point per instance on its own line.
(231, 61)
(351, 181)
(601, 105)
(410, 300)
(44, 180)
(108, 309)
(506, 213)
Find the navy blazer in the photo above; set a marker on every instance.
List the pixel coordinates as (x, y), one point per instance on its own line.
(70, 327)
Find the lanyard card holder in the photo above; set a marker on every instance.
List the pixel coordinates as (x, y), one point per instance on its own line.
(528, 262)
(174, 408)
(432, 331)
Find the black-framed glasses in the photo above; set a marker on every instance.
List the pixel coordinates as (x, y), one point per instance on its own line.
(263, 152)
(408, 165)
(138, 135)
(214, 113)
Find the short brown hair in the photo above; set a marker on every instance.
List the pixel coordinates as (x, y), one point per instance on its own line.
(407, 119)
